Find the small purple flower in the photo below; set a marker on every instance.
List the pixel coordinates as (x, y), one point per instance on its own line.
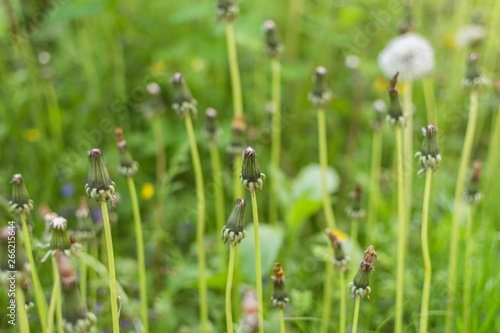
(67, 190)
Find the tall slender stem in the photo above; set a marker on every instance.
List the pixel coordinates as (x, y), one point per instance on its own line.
(59, 316)
(237, 188)
(452, 266)
(354, 242)
(375, 180)
(401, 236)
(83, 275)
(275, 139)
(408, 150)
(219, 196)
(24, 326)
(140, 254)
(200, 230)
(327, 300)
(111, 268)
(493, 153)
(53, 301)
(41, 303)
(424, 311)
(235, 71)
(430, 100)
(229, 285)
(323, 158)
(356, 316)
(258, 274)
(342, 321)
(161, 166)
(282, 322)
(468, 271)
(94, 252)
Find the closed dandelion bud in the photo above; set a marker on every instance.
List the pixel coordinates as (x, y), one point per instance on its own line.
(85, 231)
(250, 176)
(211, 126)
(21, 202)
(380, 109)
(99, 184)
(227, 10)
(238, 127)
(429, 156)
(274, 47)
(359, 285)
(472, 193)
(76, 317)
(184, 103)
(279, 298)
(355, 211)
(234, 231)
(395, 116)
(320, 96)
(59, 239)
(128, 167)
(340, 260)
(473, 77)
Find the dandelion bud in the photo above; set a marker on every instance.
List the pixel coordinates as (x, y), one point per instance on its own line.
(395, 116)
(21, 202)
(234, 231)
(250, 176)
(472, 193)
(128, 167)
(85, 231)
(473, 77)
(212, 127)
(227, 10)
(380, 109)
(184, 103)
(76, 317)
(341, 261)
(59, 239)
(279, 298)
(429, 156)
(359, 285)
(99, 184)
(238, 127)
(274, 47)
(320, 95)
(355, 211)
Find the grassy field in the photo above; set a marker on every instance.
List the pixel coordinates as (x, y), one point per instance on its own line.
(73, 70)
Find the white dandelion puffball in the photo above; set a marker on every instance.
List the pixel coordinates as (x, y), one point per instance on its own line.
(469, 35)
(410, 54)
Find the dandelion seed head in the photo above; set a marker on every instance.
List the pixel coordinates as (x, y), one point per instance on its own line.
(470, 35)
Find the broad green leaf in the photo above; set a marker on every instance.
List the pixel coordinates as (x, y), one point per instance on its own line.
(309, 184)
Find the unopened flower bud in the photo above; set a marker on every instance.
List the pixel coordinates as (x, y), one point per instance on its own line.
(212, 130)
(238, 127)
(429, 156)
(279, 298)
(184, 103)
(320, 96)
(355, 211)
(59, 239)
(99, 184)
(128, 167)
(472, 193)
(227, 10)
(380, 110)
(340, 260)
(234, 231)
(21, 202)
(395, 116)
(473, 77)
(359, 285)
(274, 47)
(250, 176)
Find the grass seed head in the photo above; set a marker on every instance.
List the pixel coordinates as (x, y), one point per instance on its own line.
(183, 103)
(274, 47)
(99, 184)
(250, 176)
(21, 202)
(320, 96)
(429, 156)
(234, 231)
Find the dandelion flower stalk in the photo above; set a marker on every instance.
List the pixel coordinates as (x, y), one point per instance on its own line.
(274, 49)
(55, 298)
(185, 106)
(22, 205)
(473, 80)
(100, 187)
(355, 212)
(356, 315)
(408, 146)
(21, 311)
(252, 179)
(327, 300)
(59, 316)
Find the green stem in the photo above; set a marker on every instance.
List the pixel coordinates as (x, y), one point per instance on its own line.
(295, 16)
(111, 268)
(354, 242)
(453, 258)
(356, 316)
(200, 230)
(161, 166)
(424, 311)
(59, 316)
(401, 236)
(219, 196)
(40, 298)
(408, 150)
(275, 139)
(237, 188)
(258, 274)
(430, 100)
(94, 252)
(83, 275)
(24, 326)
(375, 180)
(493, 156)
(282, 322)
(327, 300)
(342, 301)
(233, 67)
(229, 316)
(140, 254)
(53, 300)
(468, 271)
(323, 158)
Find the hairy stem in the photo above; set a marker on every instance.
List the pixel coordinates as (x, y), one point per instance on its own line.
(275, 139)
(453, 257)
(229, 284)
(323, 158)
(356, 316)
(282, 322)
(140, 254)
(258, 273)
(401, 236)
(424, 310)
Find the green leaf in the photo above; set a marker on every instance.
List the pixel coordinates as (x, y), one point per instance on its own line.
(309, 184)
